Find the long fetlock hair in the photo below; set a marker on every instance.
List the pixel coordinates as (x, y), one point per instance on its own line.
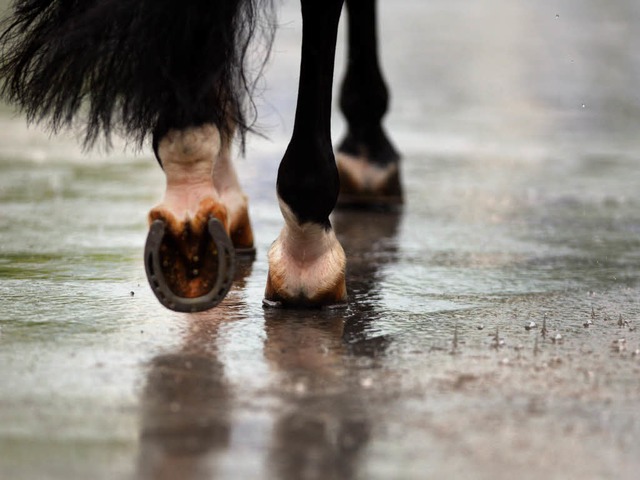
(134, 67)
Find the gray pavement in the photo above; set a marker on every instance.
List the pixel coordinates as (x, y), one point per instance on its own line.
(519, 126)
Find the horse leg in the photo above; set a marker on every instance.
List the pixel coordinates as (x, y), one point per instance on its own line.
(306, 262)
(225, 180)
(189, 255)
(367, 161)
(182, 80)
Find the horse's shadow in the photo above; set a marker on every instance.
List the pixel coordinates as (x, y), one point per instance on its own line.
(322, 424)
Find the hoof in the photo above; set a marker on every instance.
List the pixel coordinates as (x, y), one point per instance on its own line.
(190, 270)
(241, 234)
(306, 269)
(366, 184)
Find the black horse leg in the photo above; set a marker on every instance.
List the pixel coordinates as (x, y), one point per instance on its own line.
(367, 160)
(306, 262)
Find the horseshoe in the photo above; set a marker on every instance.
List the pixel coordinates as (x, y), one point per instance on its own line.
(159, 286)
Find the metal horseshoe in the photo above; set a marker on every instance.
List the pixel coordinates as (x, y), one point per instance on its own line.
(159, 286)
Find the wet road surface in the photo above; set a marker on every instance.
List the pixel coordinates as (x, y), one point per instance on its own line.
(492, 329)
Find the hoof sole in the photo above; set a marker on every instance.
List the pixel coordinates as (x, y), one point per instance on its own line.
(163, 287)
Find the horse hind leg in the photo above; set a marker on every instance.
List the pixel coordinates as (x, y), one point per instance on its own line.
(367, 160)
(189, 257)
(181, 80)
(232, 196)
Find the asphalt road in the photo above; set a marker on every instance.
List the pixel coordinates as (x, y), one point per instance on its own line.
(492, 330)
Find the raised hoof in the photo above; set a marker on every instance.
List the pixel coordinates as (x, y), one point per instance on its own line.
(365, 184)
(191, 271)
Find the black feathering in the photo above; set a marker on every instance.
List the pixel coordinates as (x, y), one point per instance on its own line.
(132, 67)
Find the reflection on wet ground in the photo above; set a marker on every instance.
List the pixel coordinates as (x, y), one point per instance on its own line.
(492, 328)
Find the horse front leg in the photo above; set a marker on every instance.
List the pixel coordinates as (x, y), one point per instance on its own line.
(367, 160)
(306, 262)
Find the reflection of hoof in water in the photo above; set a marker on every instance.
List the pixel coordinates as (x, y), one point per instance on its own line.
(185, 416)
(306, 268)
(190, 265)
(366, 184)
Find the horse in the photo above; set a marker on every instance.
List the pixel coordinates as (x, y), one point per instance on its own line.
(177, 73)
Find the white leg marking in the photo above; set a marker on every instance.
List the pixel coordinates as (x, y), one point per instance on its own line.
(364, 175)
(306, 260)
(188, 158)
(228, 186)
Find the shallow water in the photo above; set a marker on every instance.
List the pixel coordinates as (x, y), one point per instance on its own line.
(519, 129)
